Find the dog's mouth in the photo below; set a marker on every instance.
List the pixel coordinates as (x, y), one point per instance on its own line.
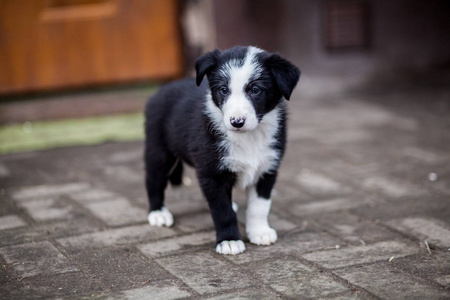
(239, 130)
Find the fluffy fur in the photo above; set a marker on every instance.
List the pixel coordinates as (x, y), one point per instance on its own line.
(231, 128)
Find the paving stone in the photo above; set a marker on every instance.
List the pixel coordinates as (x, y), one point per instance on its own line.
(336, 175)
(41, 191)
(387, 209)
(392, 187)
(4, 171)
(48, 209)
(358, 154)
(72, 285)
(362, 114)
(36, 259)
(123, 174)
(185, 199)
(433, 231)
(126, 156)
(346, 136)
(301, 157)
(182, 200)
(11, 221)
(285, 190)
(114, 237)
(215, 275)
(280, 224)
(45, 231)
(353, 229)
(388, 283)
(422, 154)
(361, 233)
(324, 206)
(349, 296)
(348, 171)
(195, 222)
(166, 247)
(184, 205)
(293, 243)
(443, 280)
(362, 254)
(294, 279)
(119, 268)
(10, 287)
(443, 186)
(164, 289)
(93, 195)
(250, 293)
(117, 212)
(434, 266)
(319, 184)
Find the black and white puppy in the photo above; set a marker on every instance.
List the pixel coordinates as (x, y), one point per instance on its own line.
(232, 129)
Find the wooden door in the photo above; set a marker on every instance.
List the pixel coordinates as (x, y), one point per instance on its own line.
(48, 44)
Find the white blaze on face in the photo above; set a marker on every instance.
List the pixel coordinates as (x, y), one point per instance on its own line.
(238, 106)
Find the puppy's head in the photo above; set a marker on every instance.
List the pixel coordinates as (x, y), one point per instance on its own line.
(246, 83)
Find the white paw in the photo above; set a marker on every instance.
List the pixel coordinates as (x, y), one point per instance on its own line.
(160, 218)
(262, 236)
(230, 247)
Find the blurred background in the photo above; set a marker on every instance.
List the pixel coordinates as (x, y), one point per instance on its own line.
(77, 58)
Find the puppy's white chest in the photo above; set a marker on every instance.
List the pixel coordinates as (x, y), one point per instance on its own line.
(250, 162)
(252, 154)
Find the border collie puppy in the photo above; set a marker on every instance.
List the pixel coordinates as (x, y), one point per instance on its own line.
(232, 129)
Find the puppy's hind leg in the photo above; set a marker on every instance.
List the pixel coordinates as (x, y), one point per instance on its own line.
(157, 168)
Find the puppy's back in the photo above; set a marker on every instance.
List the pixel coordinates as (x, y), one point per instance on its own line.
(174, 116)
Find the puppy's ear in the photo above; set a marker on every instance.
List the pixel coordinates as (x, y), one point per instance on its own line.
(204, 64)
(286, 74)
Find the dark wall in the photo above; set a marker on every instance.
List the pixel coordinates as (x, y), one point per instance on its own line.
(412, 33)
(249, 22)
(403, 34)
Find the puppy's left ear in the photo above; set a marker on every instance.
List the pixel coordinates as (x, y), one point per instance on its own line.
(204, 64)
(286, 74)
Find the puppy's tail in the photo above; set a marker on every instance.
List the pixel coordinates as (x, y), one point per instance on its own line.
(176, 173)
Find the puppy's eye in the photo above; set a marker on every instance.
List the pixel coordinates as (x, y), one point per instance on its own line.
(224, 90)
(255, 90)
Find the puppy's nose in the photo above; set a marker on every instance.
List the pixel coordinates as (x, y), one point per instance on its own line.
(237, 122)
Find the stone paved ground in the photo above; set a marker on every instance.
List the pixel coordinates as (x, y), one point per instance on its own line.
(362, 208)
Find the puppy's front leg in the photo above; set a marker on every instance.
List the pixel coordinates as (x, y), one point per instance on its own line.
(257, 225)
(218, 190)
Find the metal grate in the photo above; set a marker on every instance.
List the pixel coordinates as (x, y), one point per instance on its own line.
(347, 24)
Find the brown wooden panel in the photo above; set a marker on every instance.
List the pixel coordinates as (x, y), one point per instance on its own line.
(47, 44)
